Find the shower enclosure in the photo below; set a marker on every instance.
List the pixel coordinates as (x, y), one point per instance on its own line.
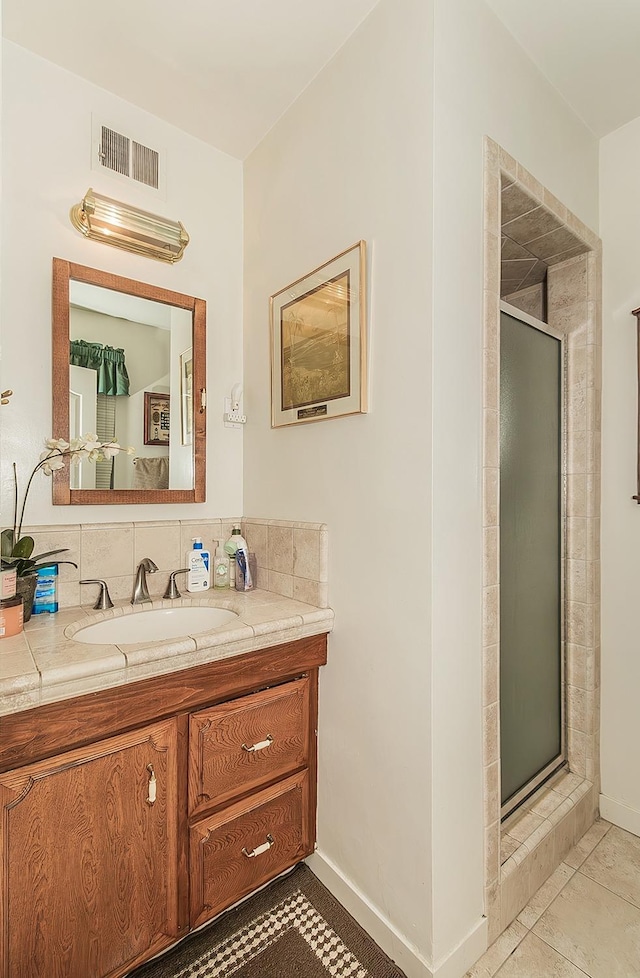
(532, 484)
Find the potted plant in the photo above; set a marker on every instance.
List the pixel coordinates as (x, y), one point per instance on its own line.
(16, 550)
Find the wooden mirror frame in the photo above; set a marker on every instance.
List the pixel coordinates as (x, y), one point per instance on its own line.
(65, 272)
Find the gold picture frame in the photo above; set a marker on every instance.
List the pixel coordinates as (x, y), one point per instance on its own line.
(318, 343)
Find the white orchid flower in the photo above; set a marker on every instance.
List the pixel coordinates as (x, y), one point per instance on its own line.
(111, 450)
(51, 460)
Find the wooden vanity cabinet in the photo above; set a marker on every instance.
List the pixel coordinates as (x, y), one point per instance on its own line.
(90, 845)
(130, 815)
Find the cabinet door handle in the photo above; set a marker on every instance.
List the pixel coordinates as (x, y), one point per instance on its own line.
(152, 785)
(260, 746)
(259, 849)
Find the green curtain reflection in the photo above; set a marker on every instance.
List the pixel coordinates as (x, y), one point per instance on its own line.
(107, 361)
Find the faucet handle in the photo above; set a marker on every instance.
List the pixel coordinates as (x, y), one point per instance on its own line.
(172, 588)
(103, 601)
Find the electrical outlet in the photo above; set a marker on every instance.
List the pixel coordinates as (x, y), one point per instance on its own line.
(232, 419)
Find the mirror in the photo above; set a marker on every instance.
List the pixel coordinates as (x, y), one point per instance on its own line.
(129, 363)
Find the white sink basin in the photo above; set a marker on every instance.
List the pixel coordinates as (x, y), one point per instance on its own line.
(155, 625)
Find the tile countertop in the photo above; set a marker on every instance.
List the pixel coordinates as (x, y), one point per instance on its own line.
(44, 664)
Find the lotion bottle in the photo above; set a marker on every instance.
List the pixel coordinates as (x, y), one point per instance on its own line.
(235, 542)
(221, 569)
(198, 562)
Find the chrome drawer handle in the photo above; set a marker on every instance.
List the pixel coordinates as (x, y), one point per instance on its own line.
(259, 849)
(260, 746)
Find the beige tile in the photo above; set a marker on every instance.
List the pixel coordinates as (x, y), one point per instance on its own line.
(542, 862)
(492, 901)
(566, 783)
(491, 380)
(490, 614)
(491, 792)
(516, 890)
(516, 202)
(585, 813)
(567, 283)
(256, 536)
(161, 542)
(491, 734)
(587, 843)
(576, 665)
(615, 863)
(554, 205)
(499, 951)
(281, 583)
(545, 895)
(490, 676)
(491, 557)
(576, 580)
(531, 225)
(491, 439)
(595, 929)
(490, 499)
(521, 825)
(508, 846)
(70, 661)
(18, 672)
(311, 592)
(280, 543)
(545, 802)
(491, 200)
(508, 164)
(535, 959)
(491, 319)
(564, 834)
(107, 552)
(207, 530)
(67, 538)
(491, 261)
(529, 183)
(306, 554)
(576, 539)
(492, 851)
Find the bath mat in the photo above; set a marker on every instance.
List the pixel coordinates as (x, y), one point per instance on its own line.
(294, 928)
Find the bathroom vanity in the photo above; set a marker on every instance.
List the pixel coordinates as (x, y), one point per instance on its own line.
(135, 813)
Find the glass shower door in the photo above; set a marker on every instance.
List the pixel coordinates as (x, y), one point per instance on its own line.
(531, 556)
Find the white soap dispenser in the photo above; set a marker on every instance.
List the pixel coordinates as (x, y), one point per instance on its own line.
(198, 562)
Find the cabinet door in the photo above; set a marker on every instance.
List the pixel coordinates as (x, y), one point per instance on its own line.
(239, 746)
(240, 848)
(89, 842)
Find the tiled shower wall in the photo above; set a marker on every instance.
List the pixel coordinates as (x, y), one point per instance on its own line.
(574, 307)
(291, 557)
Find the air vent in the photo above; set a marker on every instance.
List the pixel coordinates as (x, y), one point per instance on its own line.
(144, 164)
(127, 157)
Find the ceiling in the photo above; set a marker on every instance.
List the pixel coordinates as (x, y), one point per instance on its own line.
(588, 49)
(222, 70)
(226, 70)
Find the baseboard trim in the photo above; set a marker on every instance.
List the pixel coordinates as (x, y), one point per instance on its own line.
(619, 814)
(392, 942)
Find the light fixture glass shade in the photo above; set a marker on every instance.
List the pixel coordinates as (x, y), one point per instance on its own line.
(124, 226)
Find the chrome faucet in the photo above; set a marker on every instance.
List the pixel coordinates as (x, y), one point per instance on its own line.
(140, 590)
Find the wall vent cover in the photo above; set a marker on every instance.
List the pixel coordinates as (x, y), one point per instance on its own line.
(126, 157)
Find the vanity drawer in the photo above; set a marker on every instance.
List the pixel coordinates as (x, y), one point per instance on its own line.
(238, 849)
(248, 742)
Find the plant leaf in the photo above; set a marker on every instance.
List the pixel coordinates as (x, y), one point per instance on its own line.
(6, 542)
(23, 547)
(48, 553)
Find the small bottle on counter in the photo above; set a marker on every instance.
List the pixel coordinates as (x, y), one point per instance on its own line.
(45, 600)
(233, 544)
(220, 568)
(11, 616)
(198, 562)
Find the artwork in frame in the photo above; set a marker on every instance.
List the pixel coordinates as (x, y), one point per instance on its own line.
(156, 418)
(186, 396)
(318, 343)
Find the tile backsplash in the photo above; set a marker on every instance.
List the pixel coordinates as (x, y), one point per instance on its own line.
(291, 557)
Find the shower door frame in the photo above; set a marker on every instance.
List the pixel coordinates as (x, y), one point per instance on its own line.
(561, 760)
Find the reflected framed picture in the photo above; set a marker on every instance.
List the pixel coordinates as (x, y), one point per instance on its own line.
(156, 418)
(186, 396)
(318, 343)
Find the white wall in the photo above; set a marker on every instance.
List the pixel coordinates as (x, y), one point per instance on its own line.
(485, 85)
(350, 160)
(406, 479)
(47, 145)
(620, 732)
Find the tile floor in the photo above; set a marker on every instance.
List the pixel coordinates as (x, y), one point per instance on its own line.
(584, 921)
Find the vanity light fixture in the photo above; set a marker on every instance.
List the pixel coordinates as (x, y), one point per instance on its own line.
(130, 228)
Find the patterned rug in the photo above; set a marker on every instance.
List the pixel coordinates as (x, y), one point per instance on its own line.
(293, 928)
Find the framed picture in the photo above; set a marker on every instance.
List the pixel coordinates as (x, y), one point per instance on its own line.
(186, 396)
(156, 418)
(318, 343)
